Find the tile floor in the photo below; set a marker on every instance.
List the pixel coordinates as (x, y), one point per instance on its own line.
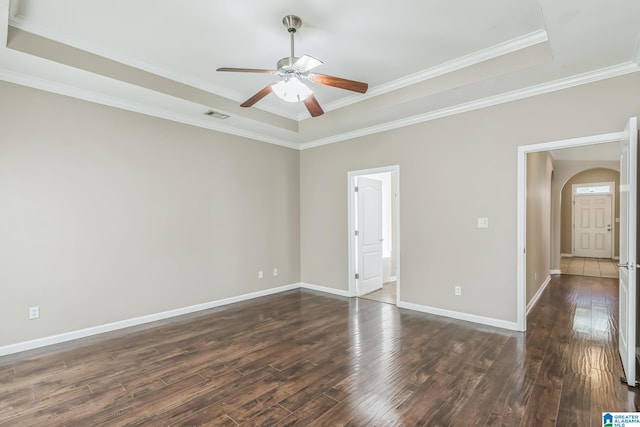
(593, 267)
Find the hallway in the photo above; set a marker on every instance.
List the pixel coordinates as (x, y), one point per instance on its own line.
(577, 319)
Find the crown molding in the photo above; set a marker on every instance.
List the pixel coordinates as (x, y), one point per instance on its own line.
(515, 44)
(456, 64)
(100, 98)
(564, 83)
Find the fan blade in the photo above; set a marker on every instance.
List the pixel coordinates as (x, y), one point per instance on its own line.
(257, 97)
(341, 83)
(313, 106)
(247, 70)
(306, 63)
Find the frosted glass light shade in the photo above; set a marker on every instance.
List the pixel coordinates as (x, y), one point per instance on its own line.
(292, 90)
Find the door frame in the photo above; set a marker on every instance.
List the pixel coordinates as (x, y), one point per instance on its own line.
(613, 213)
(521, 240)
(395, 189)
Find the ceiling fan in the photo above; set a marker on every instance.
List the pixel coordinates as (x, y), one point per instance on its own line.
(292, 71)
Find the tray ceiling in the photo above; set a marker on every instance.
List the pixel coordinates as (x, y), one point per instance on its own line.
(422, 60)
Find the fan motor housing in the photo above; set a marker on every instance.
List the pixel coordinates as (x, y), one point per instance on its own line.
(285, 63)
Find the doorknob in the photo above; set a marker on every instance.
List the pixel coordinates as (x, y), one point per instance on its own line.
(623, 266)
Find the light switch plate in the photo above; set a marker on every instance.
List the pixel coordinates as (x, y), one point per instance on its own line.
(483, 222)
(34, 312)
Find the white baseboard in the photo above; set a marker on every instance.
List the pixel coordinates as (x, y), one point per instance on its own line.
(326, 289)
(555, 272)
(566, 255)
(82, 333)
(536, 297)
(513, 326)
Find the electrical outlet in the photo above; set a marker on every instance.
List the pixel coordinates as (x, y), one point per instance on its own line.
(275, 272)
(458, 290)
(260, 274)
(34, 312)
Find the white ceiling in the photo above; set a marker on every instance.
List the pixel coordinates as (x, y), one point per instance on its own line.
(609, 151)
(422, 59)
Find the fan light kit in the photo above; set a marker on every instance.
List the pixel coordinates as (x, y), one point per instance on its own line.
(292, 90)
(293, 71)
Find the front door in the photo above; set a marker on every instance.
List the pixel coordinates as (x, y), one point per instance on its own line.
(592, 226)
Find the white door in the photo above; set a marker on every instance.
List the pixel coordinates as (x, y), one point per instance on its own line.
(592, 226)
(369, 235)
(627, 267)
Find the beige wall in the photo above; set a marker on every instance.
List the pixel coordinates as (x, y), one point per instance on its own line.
(452, 170)
(539, 172)
(107, 215)
(591, 175)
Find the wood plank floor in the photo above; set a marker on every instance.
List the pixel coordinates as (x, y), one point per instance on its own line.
(308, 359)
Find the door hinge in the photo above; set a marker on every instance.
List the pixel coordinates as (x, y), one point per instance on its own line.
(357, 276)
(357, 233)
(355, 189)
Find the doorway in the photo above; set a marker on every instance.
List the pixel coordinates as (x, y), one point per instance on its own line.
(374, 233)
(559, 248)
(628, 140)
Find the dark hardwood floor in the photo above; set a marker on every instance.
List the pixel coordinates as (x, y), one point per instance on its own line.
(305, 358)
